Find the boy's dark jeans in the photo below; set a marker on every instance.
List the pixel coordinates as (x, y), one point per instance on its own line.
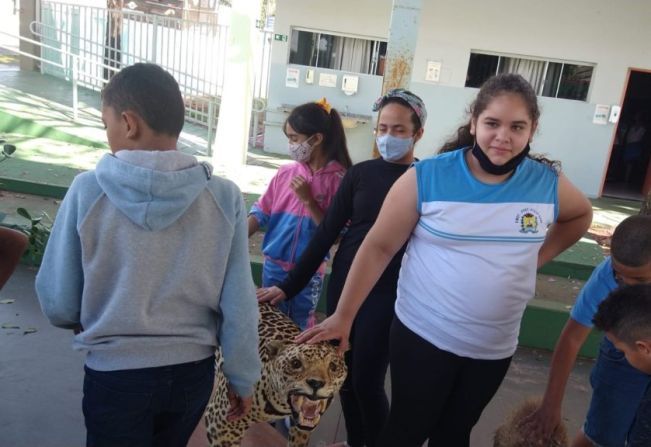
(146, 407)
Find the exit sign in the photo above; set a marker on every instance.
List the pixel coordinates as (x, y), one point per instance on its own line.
(280, 37)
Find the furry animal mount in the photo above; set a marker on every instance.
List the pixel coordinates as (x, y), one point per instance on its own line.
(298, 381)
(513, 434)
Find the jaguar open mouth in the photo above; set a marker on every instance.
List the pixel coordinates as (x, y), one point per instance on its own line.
(307, 411)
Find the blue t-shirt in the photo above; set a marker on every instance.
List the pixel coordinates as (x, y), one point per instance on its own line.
(599, 285)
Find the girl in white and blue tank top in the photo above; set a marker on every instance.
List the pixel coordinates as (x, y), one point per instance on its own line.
(479, 218)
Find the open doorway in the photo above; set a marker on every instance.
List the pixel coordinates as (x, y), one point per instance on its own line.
(629, 169)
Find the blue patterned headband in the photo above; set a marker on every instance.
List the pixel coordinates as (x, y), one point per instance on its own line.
(417, 104)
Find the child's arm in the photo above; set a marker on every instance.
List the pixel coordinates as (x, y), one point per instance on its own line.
(261, 209)
(548, 416)
(393, 227)
(574, 334)
(253, 225)
(573, 220)
(301, 188)
(12, 246)
(238, 333)
(60, 279)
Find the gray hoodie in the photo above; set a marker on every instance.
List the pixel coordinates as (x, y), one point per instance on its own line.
(149, 253)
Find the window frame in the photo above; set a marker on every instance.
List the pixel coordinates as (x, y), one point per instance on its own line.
(375, 53)
(547, 60)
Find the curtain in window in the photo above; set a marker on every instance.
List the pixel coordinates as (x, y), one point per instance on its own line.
(354, 55)
(532, 70)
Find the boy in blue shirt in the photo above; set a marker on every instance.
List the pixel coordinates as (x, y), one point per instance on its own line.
(148, 262)
(625, 316)
(618, 388)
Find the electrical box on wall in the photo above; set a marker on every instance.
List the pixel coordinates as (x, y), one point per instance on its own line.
(614, 114)
(349, 84)
(601, 112)
(309, 76)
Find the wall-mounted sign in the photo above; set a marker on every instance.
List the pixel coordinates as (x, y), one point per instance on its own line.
(433, 72)
(327, 80)
(349, 84)
(309, 76)
(291, 77)
(280, 37)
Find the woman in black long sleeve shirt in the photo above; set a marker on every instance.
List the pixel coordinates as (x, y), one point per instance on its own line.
(354, 208)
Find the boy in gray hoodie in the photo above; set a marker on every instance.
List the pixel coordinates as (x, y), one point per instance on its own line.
(148, 262)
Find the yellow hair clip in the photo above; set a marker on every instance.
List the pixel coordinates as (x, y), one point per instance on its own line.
(324, 104)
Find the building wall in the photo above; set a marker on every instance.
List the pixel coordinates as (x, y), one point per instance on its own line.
(327, 17)
(613, 36)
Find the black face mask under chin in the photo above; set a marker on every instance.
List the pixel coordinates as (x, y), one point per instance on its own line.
(494, 169)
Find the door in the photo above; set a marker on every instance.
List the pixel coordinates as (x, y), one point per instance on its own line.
(629, 168)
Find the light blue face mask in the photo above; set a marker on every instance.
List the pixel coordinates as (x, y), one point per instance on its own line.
(393, 148)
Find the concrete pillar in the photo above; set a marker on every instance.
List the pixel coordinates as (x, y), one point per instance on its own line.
(28, 13)
(231, 141)
(403, 35)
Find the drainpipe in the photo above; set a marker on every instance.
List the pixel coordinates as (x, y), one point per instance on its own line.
(403, 36)
(234, 121)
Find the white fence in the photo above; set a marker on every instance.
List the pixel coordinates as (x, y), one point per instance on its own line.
(194, 52)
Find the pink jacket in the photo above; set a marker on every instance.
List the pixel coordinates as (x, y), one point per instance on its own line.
(287, 220)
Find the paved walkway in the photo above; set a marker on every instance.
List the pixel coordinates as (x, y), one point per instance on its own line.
(41, 379)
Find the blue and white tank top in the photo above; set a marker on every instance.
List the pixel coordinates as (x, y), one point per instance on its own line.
(470, 266)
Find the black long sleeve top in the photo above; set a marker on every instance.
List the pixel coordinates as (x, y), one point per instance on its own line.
(358, 201)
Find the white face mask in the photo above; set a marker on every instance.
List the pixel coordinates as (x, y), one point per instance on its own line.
(301, 152)
(393, 148)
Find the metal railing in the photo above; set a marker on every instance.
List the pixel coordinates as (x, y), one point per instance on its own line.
(193, 52)
(211, 105)
(75, 61)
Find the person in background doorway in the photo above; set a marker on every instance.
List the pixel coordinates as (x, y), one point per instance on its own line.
(634, 145)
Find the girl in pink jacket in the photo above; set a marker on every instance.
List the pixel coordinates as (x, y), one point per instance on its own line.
(296, 199)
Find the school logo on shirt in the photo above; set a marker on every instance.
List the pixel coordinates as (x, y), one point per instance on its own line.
(529, 220)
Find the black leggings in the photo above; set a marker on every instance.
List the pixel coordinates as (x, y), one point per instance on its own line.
(435, 394)
(363, 399)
